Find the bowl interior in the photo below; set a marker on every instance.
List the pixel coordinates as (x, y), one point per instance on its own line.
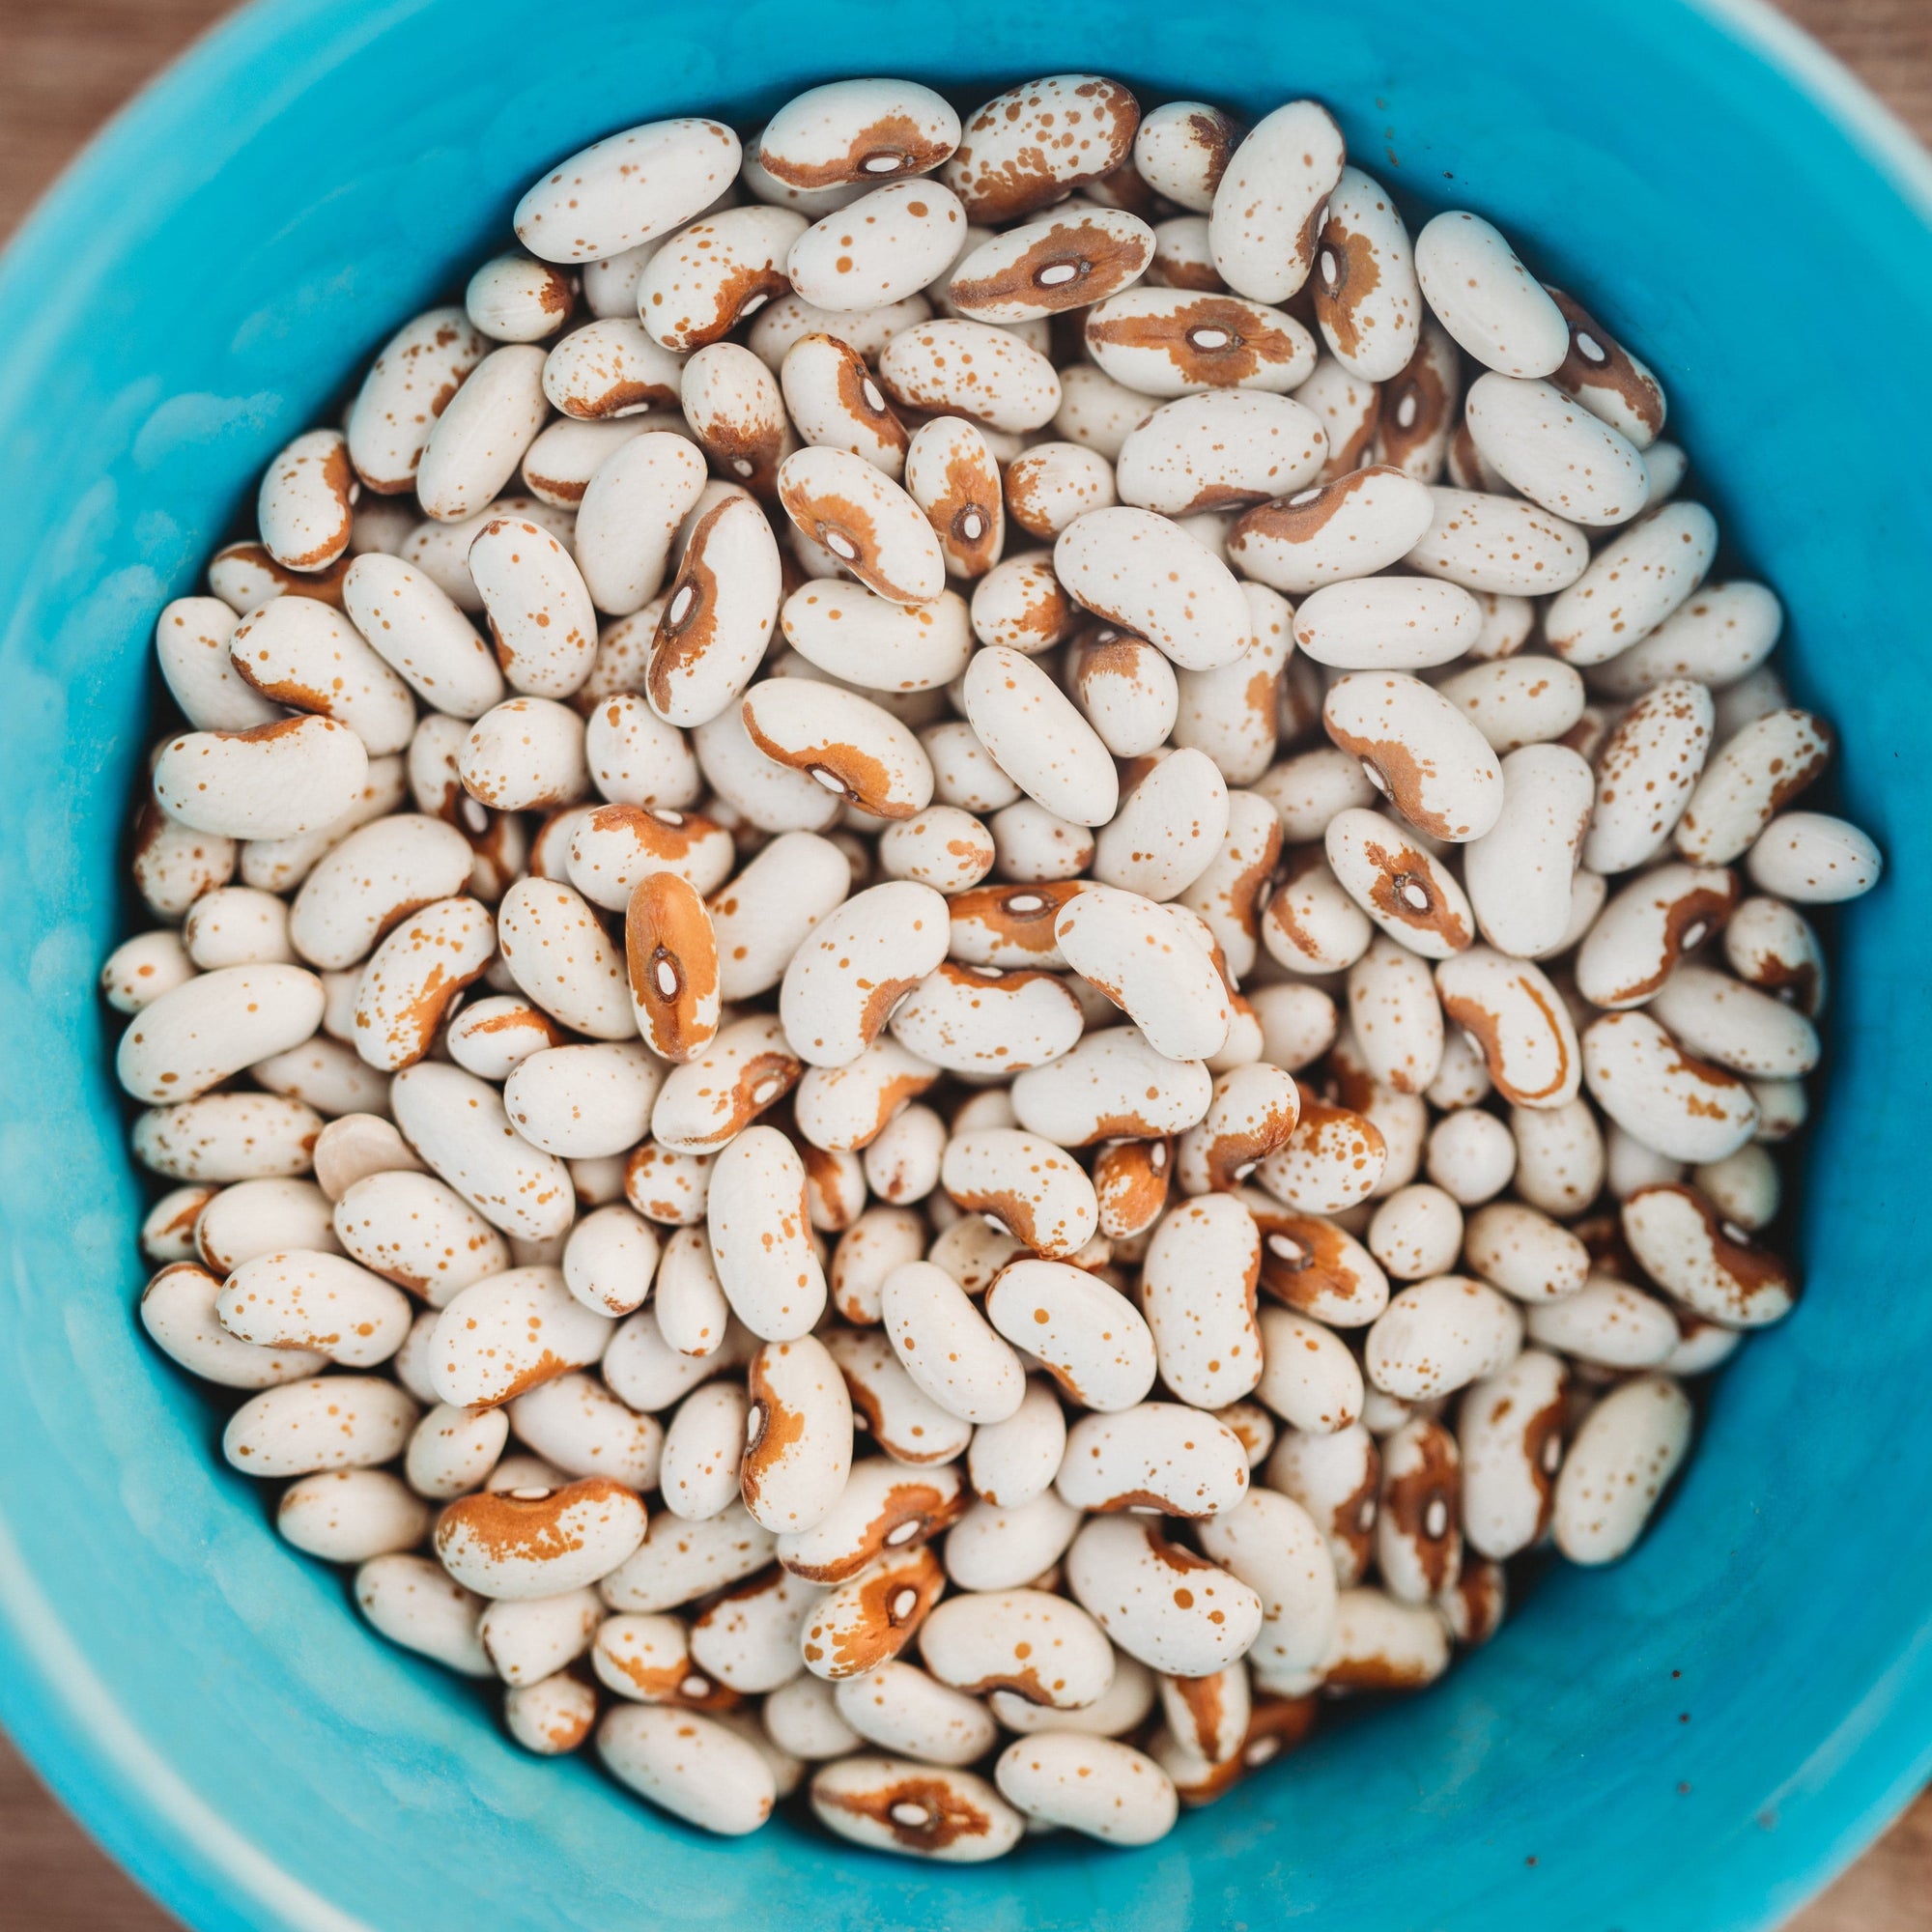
(1692, 1740)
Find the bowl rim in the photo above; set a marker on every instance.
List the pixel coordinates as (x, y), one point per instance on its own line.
(59, 1715)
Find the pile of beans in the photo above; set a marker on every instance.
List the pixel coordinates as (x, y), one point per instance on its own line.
(1070, 728)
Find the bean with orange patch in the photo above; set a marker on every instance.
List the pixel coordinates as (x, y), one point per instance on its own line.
(1419, 408)
(1253, 1111)
(1058, 262)
(671, 955)
(550, 1717)
(245, 577)
(871, 1619)
(1380, 1644)
(834, 399)
(905, 1421)
(1027, 147)
(1736, 1026)
(1709, 1264)
(616, 846)
(923, 1810)
(168, 1229)
(1130, 1184)
(1227, 894)
(799, 1436)
(1279, 1722)
(941, 846)
(1754, 774)
(843, 1108)
(1773, 946)
(513, 298)
(980, 1020)
(1021, 604)
(1638, 938)
(646, 1659)
(1367, 301)
(1681, 1107)
(718, 614)
(304, 506)
(1419, 751)
(271, 781)
(1182, 151)
(1183, 257)
(1336, 1477)
(842, 982)
(1418, 1527)
(1333, 1159)
(1221, 450)
(734, 407)
(1173, 342)
(508, 1333)
(883, 1506)
(715, 272)
(840, 500)
(1208, 1715)
(1052, 483)
(409, 983)
(858, 131)
(951, 474)
(1028, 1184)
(1606, 378)
(1510, 1435)
(854, 749)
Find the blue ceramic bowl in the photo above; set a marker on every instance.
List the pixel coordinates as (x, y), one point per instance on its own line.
(1696, 1740)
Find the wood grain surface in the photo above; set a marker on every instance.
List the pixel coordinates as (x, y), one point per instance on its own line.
(65, 65)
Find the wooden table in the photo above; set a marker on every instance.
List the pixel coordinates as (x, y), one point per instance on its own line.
(65, 65)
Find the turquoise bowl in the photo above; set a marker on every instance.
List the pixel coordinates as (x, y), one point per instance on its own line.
(1694, 1741)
